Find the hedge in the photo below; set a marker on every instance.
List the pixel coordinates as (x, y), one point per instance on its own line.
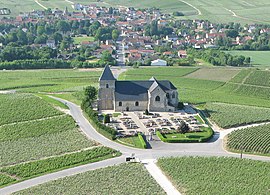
(142, 141)
(184, 140)
(93, 119)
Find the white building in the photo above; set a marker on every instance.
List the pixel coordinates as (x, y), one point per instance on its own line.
(159, 62)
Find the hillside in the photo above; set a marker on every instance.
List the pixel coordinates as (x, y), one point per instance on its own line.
(224, 11)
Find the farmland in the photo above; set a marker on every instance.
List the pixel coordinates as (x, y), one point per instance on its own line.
(224, 11)
(230, 115)
(253, 140)
(78, 40)
(111, 180)
(214, 74)
(212, 175)
(200, 91)
(48, 80)
(259, 59)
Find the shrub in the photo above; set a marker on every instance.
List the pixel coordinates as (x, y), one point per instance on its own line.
(142, 140)
(107, 119)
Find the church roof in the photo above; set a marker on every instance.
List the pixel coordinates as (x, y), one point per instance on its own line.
(138, 90)
(107, 74)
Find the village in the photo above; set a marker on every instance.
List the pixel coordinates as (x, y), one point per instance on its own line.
(133, 36)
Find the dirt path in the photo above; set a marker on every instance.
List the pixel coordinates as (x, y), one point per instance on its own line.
(40, 4)
(199, 11)
(244, 18)
(160, 178)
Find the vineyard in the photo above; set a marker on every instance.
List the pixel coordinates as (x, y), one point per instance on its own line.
(230, 115)
(4, 179)
(121, 179)
(48, 80)
(261, 78)
(24, 107)
(30, 169)
(213, 175)
(251, 140)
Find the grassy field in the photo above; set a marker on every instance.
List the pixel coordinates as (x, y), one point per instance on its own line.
(199, 91)
(214, 74)
(121, 179)
(48, 80)
(260, 59)
(253, 140)
(78, 40)
(230, 115)
(212, 175)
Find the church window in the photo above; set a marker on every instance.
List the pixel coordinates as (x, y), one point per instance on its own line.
(107, 85)
(157, 99)
(173, 95)
(167, 95)
(136, 103)
(120, 104)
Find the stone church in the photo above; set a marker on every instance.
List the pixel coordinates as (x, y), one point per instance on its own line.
(122, 96)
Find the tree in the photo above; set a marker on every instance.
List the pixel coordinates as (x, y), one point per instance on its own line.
(57, 37)
(22, 38)
(40, 30)
(63, 26)
(232, 33)
(115, 34)
(90, 93)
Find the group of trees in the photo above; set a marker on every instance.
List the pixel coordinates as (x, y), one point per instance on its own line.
(219, 58)
(153, 29)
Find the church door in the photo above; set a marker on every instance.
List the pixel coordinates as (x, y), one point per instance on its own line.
(127, 108)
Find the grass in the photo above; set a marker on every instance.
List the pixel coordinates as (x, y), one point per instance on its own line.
(133, 141)
(254, 140)
(121, 179)
(4, 179)
(30, 169)
(213, 175)
(214, 74)
(259, 59)
(78, 40)
(203, 136)
(230, 115)
(52, 101)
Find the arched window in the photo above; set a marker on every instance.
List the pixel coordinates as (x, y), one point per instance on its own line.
(136, 103)
(157, 99)
(173, 95)
(120, 104)
(107, 85)
(167, 95)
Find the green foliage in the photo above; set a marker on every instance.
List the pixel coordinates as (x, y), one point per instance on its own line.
(4, 179)
(143, 143)
(213, 175)
(93, 118)
(251, 140)
(90, 93)
(194, 137)
(230, 115)
(260, 78)
(24, 107)
(107, 119)
(34, 168)
(118, 179)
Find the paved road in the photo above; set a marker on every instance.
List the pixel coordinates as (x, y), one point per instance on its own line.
(159, 149)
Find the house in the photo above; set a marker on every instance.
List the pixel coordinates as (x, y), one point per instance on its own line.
(153, 95)
(182, 54)
(159, 62)
(51, 43)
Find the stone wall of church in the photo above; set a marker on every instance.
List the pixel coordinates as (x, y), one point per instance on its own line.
(121, 106)
(153, 104)
(106, 95)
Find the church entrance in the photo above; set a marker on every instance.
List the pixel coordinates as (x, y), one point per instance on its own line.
(127, 108)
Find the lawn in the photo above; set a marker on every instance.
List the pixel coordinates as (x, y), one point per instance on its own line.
(231, 115)
(217, 175)
(78, 40)
(120, 179)
(260, 59)
(203, 136)
(253, 140)
(133, 141)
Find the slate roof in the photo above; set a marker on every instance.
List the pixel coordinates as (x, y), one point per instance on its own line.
(138, 90)
(107, 74)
